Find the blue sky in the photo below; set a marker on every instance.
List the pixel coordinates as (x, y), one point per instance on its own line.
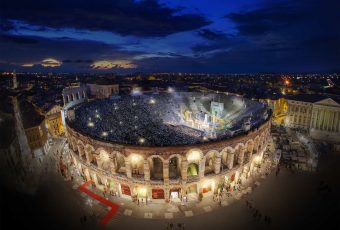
(170, 36)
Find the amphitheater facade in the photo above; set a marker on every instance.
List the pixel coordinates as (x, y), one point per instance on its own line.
(168, 173)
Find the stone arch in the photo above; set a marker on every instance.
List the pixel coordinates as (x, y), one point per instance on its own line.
(209, 161)
(175, 162)
(81, 150)
(193, 169)
(89, 150)
(74, 144)
(137, 165)
(119, 162)
(194, 155)
(224, 154)
(240, 149)
(156, 167)
(104, 160)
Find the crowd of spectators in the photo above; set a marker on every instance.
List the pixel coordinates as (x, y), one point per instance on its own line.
(150, 120)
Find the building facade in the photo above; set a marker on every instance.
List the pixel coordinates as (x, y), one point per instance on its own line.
(317, 114)
(36, 136)
(54, 121)
(168, 173)
(103, 91)
(74, 94)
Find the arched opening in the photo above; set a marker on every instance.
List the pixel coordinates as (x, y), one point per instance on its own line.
(81, 151)
(105, 161)
(174, 169)
(137, 166)
(224, 159)
(209, 163)
(236, 156)
(94, 159)
(156, 169)
(120, 164)
(157, 193)
(192, 169)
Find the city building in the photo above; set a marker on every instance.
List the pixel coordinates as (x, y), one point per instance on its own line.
(102, 90)
(74, 94)
(54, 122)
(34, 127)
(318, 114)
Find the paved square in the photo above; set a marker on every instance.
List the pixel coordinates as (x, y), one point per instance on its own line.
(188, 213)
(148, 215)
(207, 208)
(127, 212)
(168, 215)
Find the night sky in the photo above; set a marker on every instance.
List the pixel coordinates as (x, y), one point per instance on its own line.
(213, 36)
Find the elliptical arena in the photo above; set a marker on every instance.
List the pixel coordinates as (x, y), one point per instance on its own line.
(168, 146)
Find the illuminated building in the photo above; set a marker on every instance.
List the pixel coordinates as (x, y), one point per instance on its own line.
(317, 114)
(103, 90)
(54, 121)
(161, 169)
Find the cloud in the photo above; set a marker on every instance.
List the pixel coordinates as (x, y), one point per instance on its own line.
(212, 35)
(126, 17)
(51, 62)
(110, 64)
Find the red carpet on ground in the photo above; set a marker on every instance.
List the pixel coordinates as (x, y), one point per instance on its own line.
(114, 207)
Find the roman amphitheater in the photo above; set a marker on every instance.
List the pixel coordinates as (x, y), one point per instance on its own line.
(169, 146)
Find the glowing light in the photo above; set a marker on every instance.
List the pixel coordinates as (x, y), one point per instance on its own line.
(152, 101)
(257, 159)
(142, 192)
(50, 62)
(141, 140)
(205, 138)
(136, 91)
(104, 156)
(171, 90)
(90, 124)
(194, 155)
(27, 65)
(104, 134)
(287, 82)
(135, 158)
(109, 64)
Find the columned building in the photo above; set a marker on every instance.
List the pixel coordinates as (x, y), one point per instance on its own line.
(100, 91)
(317, 114)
